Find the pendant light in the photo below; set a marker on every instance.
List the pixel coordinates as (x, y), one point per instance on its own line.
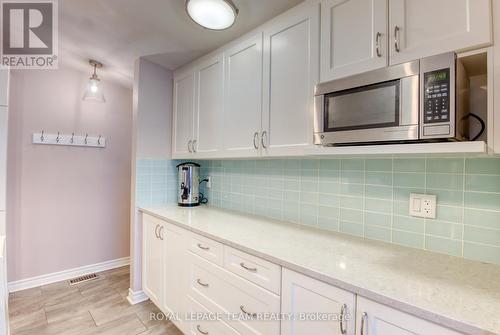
(93, 92)
(212, 14)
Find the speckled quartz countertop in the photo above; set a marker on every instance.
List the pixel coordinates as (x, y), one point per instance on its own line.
(460, 294)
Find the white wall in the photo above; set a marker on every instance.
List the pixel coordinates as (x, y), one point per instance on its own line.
(152, 124)
(66, 206)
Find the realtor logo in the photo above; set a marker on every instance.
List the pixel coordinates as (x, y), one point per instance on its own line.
(29, 34)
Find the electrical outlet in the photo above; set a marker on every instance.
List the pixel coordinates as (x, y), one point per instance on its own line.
(423, 205)
(209, 182)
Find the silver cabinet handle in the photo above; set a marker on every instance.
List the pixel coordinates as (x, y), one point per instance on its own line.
(255, 139)
(160, 233)
(156, 231)
(253, 315)
(202, 247)
(363, 318)
(396, 38)
(200, 283)
(263, 139)
(198, 328)
(189, 146)
(247, 268)
(377, 42)
(193, 145)
(343, 329)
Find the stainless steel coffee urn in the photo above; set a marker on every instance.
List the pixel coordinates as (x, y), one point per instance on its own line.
(189, 184)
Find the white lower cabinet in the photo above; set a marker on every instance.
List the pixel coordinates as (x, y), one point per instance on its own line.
(216, 289)
(306, 300)
(152, 257)
(375, 319)
(163, 266)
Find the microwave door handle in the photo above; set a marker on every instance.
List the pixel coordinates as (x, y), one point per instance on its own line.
(400, 102)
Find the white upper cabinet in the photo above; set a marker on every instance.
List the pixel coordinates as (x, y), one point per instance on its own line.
(243, 98)
(373, 318)
(353, 37)
(302, 295)
(209, 120)
(184, 110)
(291, 69)
(421, 28)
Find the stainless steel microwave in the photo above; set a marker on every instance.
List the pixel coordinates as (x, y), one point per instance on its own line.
(406, 102)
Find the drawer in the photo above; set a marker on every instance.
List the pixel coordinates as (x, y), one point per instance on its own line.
(255, 269)
(206, 248)
(224, 292)
(201, 322)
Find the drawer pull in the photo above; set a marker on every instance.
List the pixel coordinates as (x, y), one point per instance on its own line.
(247, 268)
(200, 283)
(253, 315)
(202, 247)
(201, 331)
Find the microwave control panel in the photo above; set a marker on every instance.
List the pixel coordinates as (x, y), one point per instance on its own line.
(437, 96)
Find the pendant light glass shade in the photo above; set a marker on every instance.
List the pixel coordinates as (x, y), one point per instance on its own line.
(212, 14)
(93, 91)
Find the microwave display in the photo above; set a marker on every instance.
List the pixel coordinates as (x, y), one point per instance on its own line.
(436, 96)
(373, 106)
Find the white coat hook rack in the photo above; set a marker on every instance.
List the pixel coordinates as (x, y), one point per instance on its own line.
(69, 140)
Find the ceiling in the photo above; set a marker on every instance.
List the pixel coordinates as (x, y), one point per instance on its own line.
(117, 32)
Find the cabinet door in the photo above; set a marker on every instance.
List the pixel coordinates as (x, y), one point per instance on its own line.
(152, 252)
(376, 319)
(209, 121)
(184, 109)
(291, 68)
(4, 87)
(422, 28)
(4, 120)
(302, 295)
(243, 98)
(354, 37)
(175, 275)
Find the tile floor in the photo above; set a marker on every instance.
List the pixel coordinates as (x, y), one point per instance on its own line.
(95, 307)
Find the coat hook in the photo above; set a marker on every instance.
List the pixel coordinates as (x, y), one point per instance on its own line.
(86, 136)
(99, 140)
(41, 137)
(72, 138)
(57, 138)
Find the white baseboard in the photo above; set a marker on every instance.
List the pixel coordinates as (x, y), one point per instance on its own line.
(136, 297)
(50, 278)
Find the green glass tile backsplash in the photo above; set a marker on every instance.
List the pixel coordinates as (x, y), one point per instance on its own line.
(368, 197)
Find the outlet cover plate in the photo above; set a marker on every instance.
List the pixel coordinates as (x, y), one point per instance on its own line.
(423, 205)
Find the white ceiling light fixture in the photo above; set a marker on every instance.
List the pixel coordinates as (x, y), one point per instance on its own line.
(93, 92)
(212, 14)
